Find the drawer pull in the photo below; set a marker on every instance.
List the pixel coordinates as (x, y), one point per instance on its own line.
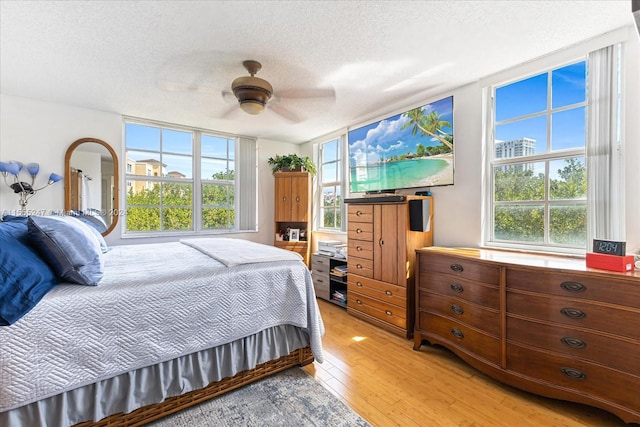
(574, 374)
(389, 293)
(358, 284)
(358, 231)
(358, 248)
(358, 213)
(457, 288)
(457, 333)
(456, 309)
(573, 313)
(358, 302)
(381, 242)
(573, 342)
(457, 268)
(297, 198)
(284, 199)
(358, 266)
(388, 313)
(573, 286)
(319, 270)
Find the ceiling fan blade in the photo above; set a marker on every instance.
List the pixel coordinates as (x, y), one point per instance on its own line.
(230, 111)
(307, 93)
(229, 97)
(170, 86)
(287, 114)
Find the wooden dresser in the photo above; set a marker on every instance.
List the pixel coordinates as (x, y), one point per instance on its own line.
(381, 262)
(544, 324)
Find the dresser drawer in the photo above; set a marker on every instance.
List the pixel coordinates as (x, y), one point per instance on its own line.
(445, 284)
(378, 309)
(360, 249)
(320, 264)
(474, 315)
(605, 318)
(460, 267)
(359, 213)
(461, 335)
(321, 288)
(584, 377)
(603, 289)
(576, 343)
(360, 231)
(392, 294)
(360, 266)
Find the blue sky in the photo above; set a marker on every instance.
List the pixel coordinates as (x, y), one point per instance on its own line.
(179, 144)
(568, 127)
(385, 138)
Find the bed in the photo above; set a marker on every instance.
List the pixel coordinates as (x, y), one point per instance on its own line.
(167, 326)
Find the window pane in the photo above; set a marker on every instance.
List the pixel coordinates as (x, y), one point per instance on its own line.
(216, 194)
(519, 223)
(214, 169)
(330, 172)
(569, 84)
(177, 166)
(142, 137)
(143, 193)
(213, 146)
(568, 129)
(509, 99)
(328, 196)
(330, 152)
(568, 179)
(329, 217)
(144, 164)
(175, 141)
(217, 218)
(177, 219)
(521, 137)
(176, 194)
(568, 225)
(143, 219)
(524, 181)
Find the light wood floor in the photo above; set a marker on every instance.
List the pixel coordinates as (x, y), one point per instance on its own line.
(382, 378)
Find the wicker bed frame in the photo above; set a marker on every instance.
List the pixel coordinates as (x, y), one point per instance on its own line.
(150, 413)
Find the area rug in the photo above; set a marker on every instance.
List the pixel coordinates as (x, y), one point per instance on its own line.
(290, 398)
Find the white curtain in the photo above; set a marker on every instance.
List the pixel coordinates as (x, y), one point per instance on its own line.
(247, 177)
(605, 166)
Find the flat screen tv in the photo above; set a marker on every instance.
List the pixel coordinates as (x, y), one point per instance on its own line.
(413, 149)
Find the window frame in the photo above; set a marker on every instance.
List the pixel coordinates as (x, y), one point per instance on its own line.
(195, 181)
(550, 155)
(342, 184)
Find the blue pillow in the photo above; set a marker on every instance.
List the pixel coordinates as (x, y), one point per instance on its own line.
(24, 277)
(69, 247)
(96, 227)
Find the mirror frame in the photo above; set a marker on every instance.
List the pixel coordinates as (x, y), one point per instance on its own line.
(116, 181)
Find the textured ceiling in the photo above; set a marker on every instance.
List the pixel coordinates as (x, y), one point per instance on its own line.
(172, 60)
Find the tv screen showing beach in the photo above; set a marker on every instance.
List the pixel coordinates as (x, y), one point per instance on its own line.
(409, 150)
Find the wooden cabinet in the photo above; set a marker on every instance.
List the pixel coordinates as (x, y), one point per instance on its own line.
(292, 209)
(381, 257)
(544, 324)
(329, 279)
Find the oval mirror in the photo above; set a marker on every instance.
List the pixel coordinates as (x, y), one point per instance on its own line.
(91, 181)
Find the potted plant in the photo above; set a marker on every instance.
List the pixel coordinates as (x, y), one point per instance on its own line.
(292, 162)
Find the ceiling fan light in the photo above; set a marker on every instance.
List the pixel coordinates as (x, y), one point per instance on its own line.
(252, 93)
(252, 107)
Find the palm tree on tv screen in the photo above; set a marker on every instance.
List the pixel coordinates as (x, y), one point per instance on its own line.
(429, 124)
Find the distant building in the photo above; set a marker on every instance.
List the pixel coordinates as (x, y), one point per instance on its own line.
(147, 167)
(515, 148)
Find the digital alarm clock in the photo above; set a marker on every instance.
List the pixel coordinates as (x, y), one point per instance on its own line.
(609, 247)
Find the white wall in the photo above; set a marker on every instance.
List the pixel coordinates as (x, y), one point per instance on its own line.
(35, 131)
(458, 208)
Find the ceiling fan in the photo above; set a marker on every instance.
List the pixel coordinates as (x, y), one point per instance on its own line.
(254, 94)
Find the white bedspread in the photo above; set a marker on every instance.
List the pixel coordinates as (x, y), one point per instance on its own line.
(232, 252)
(155, 302)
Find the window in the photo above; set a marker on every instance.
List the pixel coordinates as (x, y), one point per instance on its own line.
(538, 169)
(186, 180)
(331, 182)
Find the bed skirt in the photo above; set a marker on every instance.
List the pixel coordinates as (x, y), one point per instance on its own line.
(147, 394)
